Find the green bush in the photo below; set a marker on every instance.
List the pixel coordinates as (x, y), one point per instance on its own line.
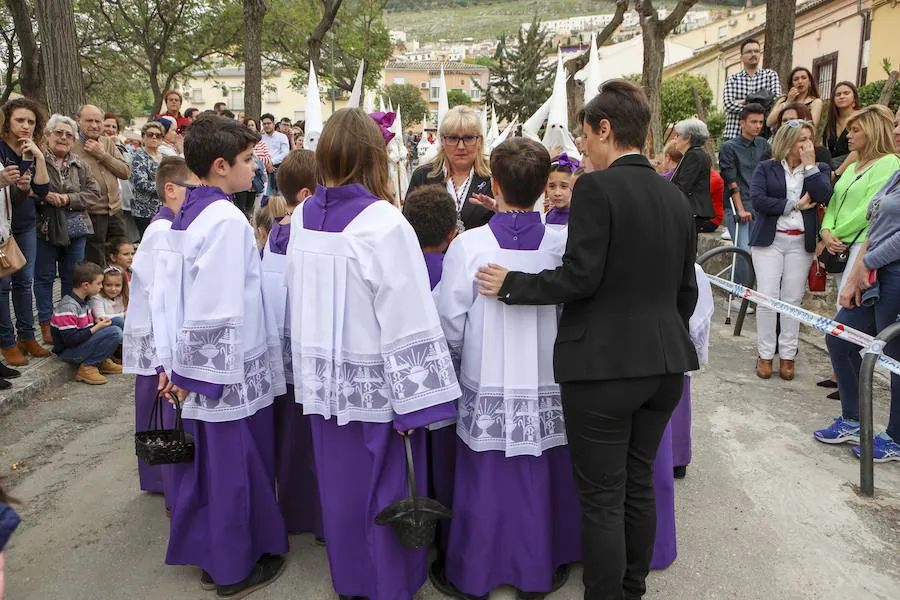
(869, 94)
(716, 124)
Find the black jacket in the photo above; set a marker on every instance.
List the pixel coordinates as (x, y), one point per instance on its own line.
(472, 215)
(627, 280)
(692, 177)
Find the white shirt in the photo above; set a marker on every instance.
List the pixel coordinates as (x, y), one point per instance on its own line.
(792, 219)
(278, 146)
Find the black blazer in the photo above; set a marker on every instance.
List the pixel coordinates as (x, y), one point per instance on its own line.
(627, 280)
(692, 177)
(472, 215)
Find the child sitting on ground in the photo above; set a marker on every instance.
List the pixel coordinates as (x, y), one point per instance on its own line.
(112, 301)
(78, 338)
(558, 192)
(432, 213)
(120, 254)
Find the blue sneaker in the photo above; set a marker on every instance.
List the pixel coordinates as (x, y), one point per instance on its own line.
(840, 432)
(885, 450)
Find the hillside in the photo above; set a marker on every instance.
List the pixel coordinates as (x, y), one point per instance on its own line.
(431, 20)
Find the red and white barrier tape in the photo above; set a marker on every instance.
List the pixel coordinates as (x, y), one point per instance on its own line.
(818, 322)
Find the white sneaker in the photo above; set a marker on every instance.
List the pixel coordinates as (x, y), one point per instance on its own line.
(726, 235)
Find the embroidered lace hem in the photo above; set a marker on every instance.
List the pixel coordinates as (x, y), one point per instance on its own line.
(209, 352)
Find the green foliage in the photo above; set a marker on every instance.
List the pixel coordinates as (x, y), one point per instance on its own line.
(483, 61)
(677, 100)
(871, 92)
(715, 121)
(520, 78)
(409, 99)
(458, 97)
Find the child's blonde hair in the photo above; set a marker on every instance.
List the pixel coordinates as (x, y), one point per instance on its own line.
(265, 216)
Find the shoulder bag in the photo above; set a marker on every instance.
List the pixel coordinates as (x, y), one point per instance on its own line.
(836, 263)
(11, 257)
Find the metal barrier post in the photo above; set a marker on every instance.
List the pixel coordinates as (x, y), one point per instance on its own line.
(739, 324)
(866, 427)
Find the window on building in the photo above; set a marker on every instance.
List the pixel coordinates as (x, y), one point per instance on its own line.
(196, 95)
(271, 97)
(299, 115)
(866, 44)
(399, 80)
(825, 70)
(236, 98)
(475, 94)
(435, 91)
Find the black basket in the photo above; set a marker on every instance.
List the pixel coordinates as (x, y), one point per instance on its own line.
(415, 518)
(160, 446)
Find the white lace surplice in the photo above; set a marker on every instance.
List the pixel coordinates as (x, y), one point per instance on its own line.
(701, 319)
(510, 402)
(219, 330)
(275, 304)
(365, 337)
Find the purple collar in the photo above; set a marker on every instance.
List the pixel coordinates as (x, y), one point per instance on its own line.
(165, 213)
(434, 261)
(517, 230)
(279, 237)
(195, 200)
(332, 209)
(557, 216)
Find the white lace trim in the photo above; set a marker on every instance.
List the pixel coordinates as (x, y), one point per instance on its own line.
(239, 400)
(209, 351)
(139, 355)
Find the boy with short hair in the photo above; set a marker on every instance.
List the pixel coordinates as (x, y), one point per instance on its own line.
(514, 485)
(225, 369)
(77, 337)
(432, 213)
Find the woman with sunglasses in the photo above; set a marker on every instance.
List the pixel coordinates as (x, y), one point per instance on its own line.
(145, 203)
(461, 166)
(785, 192)
(63, 223)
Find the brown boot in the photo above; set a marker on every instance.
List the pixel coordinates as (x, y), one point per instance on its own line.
(763, 368)
(33, 348)
(14, 357)
(786, 369)
(90, 375)
(108, 367)
(46, 335)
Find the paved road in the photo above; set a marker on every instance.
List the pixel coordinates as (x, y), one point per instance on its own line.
(765, 513)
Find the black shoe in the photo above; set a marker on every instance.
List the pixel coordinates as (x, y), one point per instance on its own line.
(829, 383)
(680, 472)
(834, 396)
(267, 570)
(7, 373)
(321, 542)
(438, 577)
(206, 581)
(343, 597)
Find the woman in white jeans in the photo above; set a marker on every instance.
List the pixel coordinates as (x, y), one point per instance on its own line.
(785, 192)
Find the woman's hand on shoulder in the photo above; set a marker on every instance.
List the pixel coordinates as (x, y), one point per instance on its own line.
(484, 201)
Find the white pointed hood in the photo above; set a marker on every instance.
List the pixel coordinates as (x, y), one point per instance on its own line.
(381, 106)
(443, 102)
(356, 94)
(495, 124)
(314, 121)
(532, 127)
(557, 131)
(484, 122)
(506, 133)
(426, 150)
(593, 75)
(397, 159)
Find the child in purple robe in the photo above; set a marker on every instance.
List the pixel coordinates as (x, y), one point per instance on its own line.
(558, 190)
(298, 494)
(432, 213)
(369, 359)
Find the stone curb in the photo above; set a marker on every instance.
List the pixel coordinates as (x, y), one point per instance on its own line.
(39, 378)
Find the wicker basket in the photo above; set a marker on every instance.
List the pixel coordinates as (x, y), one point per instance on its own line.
(160, 446)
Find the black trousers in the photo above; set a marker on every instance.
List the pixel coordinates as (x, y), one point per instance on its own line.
(614, 429)
(142, 224)
(106, 228)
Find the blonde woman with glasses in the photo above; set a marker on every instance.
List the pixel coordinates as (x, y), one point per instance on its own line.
(785, 192)
(461, 166)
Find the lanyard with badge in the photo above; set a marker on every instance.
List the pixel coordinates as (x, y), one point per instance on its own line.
(459, 196)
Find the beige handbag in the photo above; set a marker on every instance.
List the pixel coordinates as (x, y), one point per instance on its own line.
(11, 257)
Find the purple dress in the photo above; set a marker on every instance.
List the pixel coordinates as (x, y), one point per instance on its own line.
(295, 471)
(516, 519)
(664, 549)
(225, 514)
(361, 467)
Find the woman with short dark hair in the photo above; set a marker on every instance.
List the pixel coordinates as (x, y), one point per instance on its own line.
(146, 203)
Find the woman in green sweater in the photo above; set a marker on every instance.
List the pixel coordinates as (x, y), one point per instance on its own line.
(845, 224)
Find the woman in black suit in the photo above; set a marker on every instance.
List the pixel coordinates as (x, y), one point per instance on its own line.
(460, 166)
(692, 174)
(628, 288)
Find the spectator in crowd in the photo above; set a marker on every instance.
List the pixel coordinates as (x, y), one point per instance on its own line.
(844, 102)
(63, 222)
(130, 144)
(218, 107)
(460, 166)
(785, 192)
(670, 159)
(145, 203)
(111, 126)
(173, 102)
(692, 174)
(799, 111)
(25, 171)
(738, 158)
(278, 145)
(803, 90)
(261, 150)
(228, 114)
(743, 83)
(717, 196)
(191, 114)
(172, 142)
(285, 126)
(108, 166)
(297, 133)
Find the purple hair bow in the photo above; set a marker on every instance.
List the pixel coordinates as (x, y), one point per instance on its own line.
(385, 121)
(564, 161)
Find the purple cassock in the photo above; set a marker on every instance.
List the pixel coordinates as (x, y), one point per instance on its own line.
(515, 519)
(361, 466)
(434, 262)
(557, 216)
(681, 427)
(295, 471)
(665, 548)
(225, 515)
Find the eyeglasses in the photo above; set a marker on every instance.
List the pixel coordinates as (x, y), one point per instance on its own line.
(66, 135)
(153, 136)
(467, 140)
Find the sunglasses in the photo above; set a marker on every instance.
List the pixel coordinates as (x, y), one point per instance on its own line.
(154, 136)
(467, 140)
(64, 134)
(795, 123)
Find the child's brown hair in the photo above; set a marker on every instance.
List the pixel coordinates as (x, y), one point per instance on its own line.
(298, 171)
(114, 271)
(352, 150)
(171, 169)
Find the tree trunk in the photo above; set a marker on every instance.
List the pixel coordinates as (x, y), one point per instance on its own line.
(330, 9)
(254, 12)
(888, 91)
(779, 51)
(62, 71)
(31, 75)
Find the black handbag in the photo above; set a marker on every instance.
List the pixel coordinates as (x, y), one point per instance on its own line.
(414, 518)
(160, 446)
(836, 263)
